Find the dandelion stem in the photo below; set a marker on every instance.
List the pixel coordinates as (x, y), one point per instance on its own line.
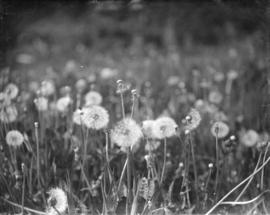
(38, 165)
(236, 187)
(264, 157)
(194, 168)
(217, 169)
(23, 188)
(122, 104)
(122, 175)
(206, 187)
(247, 185)
(164, 161)
(128, 181)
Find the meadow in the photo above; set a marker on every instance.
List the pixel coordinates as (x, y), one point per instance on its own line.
(136, 111)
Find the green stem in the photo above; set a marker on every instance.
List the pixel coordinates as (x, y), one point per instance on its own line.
(217, 169)
(164, 161)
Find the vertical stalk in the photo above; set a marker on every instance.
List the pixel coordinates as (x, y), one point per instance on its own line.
(194, 169)
(262, 174)
(217, 168)
(128, 181)
(122, 104)
(164, 161)
(38, 164)
(23, 188)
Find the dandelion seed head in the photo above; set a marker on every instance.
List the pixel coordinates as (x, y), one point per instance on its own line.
(47, 88)
(95, 117)
(80, 85)
(215, 97)
(14, 138)
(57, 201)
(63, 103)
(220, 129)
(8, 114)
(147, 128)
(164, 127)
(41, 103)
(126, 133)
(93, 98)
(193, 120)
(249, 138)
(11, 91)
(77, 116)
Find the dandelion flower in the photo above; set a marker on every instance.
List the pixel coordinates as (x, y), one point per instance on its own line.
(8, 114)
(107, 73)
(11, 91)
(126, 133)
(147, 128)
(93, 98)
(95, 117)
(152, 145)
(215, 97)
(164, 127)
(80, 85)
(57, 201)
(220, 129)
(14, 138)
(77, 116)
(47, 88)
(63, 104)
(192, 120)
(249, 138)
(41, 103)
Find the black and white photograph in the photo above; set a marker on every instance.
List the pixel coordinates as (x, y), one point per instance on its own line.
(134, 107)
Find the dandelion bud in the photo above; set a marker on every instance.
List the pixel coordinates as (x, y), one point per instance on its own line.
(232, 138)
(210, 165)
(187, 132)
(119, 82)
(188, 118)
(134, 91)
(36, 124)
(181, 164)
(23, 166)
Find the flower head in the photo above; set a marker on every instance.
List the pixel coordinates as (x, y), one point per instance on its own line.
(8, 114)
(80, 85)
(215, 97)
(107, 73)
(77, 116)
(249, 138)
(63, 104)
(147, 128)
(164, 127)
(95, 117)
(11, 91)
(41, 103)
(220, 129)
(126, 133)
(47, 88)
(192, 120)
(57, 201)
(93, 98)
(14, 138)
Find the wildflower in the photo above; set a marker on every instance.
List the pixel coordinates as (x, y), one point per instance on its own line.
(8, 114)
(215, 97)
(41, 103)
(249, 138)
(232, 75)
(192, 120)
(93, 98)
(77, 116)
(147, 128)
(57, 201)
(95, 117)
(122, 87)
(220, 129)
(14, 138)
(164, 127)
(107, 73)
(11, 91)
(152, 145)
(126, 133)
(80, 85)
(47, 88)
(63, 104)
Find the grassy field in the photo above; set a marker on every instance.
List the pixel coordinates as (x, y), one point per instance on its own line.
(139, 108)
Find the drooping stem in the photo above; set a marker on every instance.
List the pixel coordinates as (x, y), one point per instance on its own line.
(164, 161)
(237, 186)
(247, 185)
(264, 157)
